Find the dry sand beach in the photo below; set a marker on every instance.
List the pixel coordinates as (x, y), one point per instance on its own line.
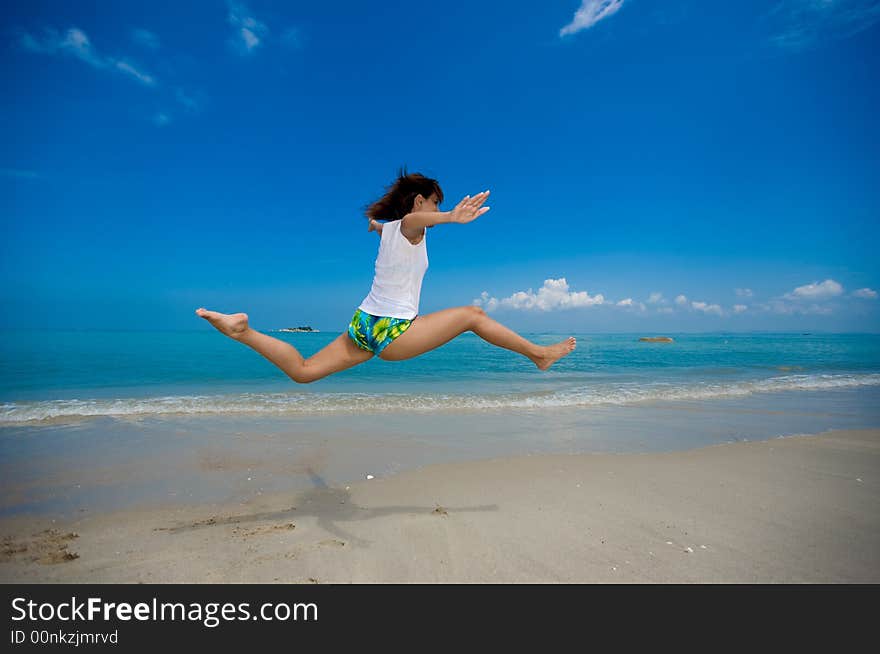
(795, 509)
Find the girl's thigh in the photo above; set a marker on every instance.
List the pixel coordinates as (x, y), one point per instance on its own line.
(429, 332)
(340, 354)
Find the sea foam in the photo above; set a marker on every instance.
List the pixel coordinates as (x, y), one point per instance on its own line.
(298, 403)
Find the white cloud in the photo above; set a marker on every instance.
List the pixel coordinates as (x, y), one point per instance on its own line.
(816, 291)
(76, 43)
(706, 308)
(867, 293)
(681, 300)
(126, 67)
(744, 292)
(739, 308)
(161, 119)
(249, 32)
(145, 38)
(631, 304)
(251, 40)
(656, 298)
(488, 303)
(590, 13)
(554, 294)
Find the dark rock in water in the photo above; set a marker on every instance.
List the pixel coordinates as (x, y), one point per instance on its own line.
(656, 339)
(297, 329)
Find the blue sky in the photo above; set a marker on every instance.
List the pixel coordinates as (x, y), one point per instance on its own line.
(655, 166)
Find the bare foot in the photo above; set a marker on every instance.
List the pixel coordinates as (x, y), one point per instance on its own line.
(553, 353)
(234, 325)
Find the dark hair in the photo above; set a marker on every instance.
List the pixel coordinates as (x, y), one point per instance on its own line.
(401, 195)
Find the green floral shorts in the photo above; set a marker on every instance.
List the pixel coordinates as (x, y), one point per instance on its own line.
(375, 333)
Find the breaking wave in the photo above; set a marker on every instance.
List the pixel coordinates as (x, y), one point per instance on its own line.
(295, 404)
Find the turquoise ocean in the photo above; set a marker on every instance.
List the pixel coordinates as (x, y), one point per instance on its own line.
(66, 375)
(111, 418)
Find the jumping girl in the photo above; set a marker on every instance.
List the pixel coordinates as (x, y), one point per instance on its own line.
(387, 323)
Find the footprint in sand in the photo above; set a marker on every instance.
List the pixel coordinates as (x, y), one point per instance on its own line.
(258, 531)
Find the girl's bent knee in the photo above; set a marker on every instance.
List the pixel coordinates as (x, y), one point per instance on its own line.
(475, 314)
(303, 377)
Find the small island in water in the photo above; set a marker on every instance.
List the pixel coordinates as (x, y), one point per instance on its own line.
(298, 329)
(656, 339)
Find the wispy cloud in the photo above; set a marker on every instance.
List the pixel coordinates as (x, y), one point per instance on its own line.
(866, 293)
(739, 308)
(126, 67)
(553, 295)
(681, 300)
(656, 298)
(74, 42)
(192, 102)
(248, 32)
(743, 292)
(792, 308)
(590, 13)
(161, 119)
(145, 38)
(800, 24)
(815, 291)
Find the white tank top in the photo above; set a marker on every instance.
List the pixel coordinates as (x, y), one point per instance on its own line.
(400, 268)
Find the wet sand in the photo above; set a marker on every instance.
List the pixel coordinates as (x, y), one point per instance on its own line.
(795, 509)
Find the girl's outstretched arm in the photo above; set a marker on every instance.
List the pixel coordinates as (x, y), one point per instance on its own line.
(468, 210)
(375, 226)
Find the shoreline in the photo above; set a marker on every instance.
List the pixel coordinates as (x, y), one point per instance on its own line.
(114, 463)
(793, 509)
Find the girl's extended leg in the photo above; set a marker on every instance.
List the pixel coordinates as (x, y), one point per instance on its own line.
(434, 329)
(342, 353)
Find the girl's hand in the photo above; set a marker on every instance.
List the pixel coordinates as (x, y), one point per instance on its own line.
(469, 208)
(375, 226)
